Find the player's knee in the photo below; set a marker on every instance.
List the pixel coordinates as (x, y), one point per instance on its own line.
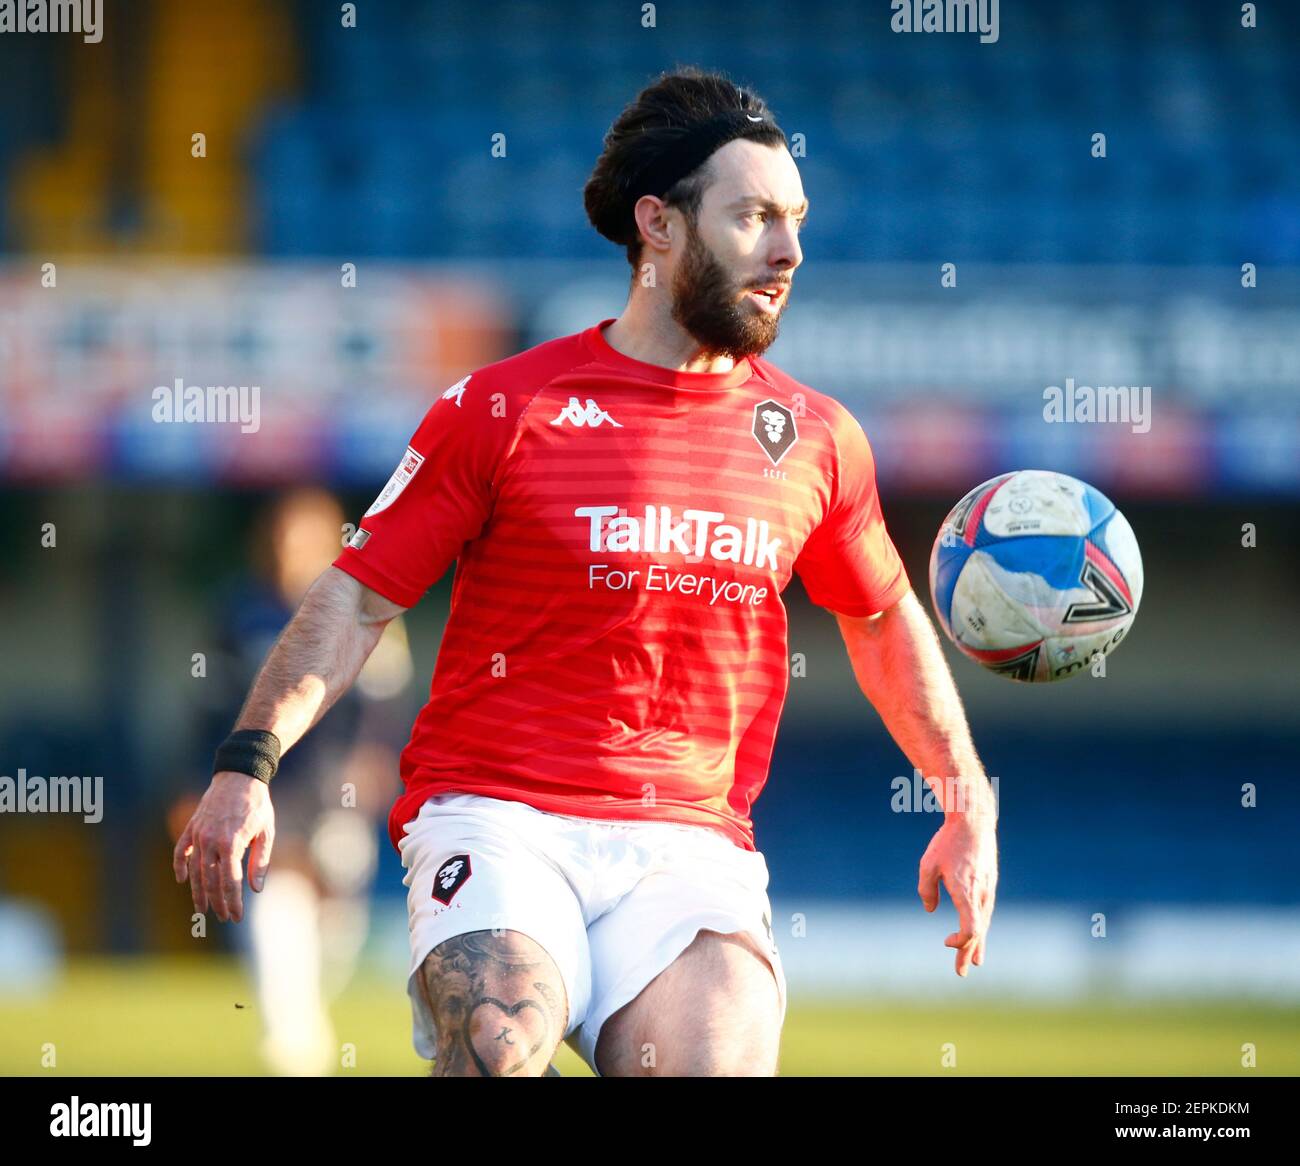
(508, 1043)
(747, 1048)
(715, 1012)
(753, 1056)
(740, 1029)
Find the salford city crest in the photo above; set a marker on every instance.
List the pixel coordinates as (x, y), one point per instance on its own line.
(774, 429)
(451, 876)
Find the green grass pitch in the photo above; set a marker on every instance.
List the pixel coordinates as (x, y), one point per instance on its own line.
(179, 1018)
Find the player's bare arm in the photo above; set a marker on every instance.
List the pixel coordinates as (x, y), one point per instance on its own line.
(901, 670)
(315, 660)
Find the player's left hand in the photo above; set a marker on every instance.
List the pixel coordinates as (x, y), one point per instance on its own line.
(963, 854)
(234, 815)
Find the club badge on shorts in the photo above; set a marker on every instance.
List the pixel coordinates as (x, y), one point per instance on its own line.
(451, 876)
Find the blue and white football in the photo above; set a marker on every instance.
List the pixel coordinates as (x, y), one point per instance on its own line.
(1034, 573)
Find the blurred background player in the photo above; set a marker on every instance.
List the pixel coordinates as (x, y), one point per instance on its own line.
(307, 928)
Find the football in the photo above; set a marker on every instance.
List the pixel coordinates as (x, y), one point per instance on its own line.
(1034, 574)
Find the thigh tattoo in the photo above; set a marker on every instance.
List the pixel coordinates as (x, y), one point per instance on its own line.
(494, 1000)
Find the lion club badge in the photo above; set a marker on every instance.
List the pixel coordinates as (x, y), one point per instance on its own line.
(451, 876)
(774, 429)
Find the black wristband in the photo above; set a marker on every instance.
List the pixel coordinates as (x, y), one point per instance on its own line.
(255, 752)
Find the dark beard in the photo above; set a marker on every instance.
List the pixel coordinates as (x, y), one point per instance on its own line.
(705, 304)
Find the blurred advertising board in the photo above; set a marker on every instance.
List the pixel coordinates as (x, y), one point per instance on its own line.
(235, 373)
(1164, 383)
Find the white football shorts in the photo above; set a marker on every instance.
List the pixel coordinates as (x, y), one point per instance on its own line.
(612, 902)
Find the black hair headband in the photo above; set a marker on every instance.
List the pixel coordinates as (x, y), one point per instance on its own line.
(663, 171)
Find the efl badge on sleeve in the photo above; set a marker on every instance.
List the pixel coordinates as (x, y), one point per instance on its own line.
(405, 471)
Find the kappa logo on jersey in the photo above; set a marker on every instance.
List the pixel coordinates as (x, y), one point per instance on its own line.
(402, 476)
(456, 391)
(774, 429)
(592, 415)
(451, 876)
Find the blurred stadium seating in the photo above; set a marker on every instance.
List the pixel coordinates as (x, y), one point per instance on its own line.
(916, 146)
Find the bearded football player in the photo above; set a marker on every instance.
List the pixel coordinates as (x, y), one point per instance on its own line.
(625, 507)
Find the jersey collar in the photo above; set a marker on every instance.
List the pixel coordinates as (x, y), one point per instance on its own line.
(594, 337)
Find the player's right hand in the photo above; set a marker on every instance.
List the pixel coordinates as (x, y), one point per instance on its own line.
(234, 815)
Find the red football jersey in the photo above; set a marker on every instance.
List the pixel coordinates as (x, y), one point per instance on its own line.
(617, 641)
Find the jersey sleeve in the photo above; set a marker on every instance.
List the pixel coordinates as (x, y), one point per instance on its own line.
(849, 564)
(437, 500)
